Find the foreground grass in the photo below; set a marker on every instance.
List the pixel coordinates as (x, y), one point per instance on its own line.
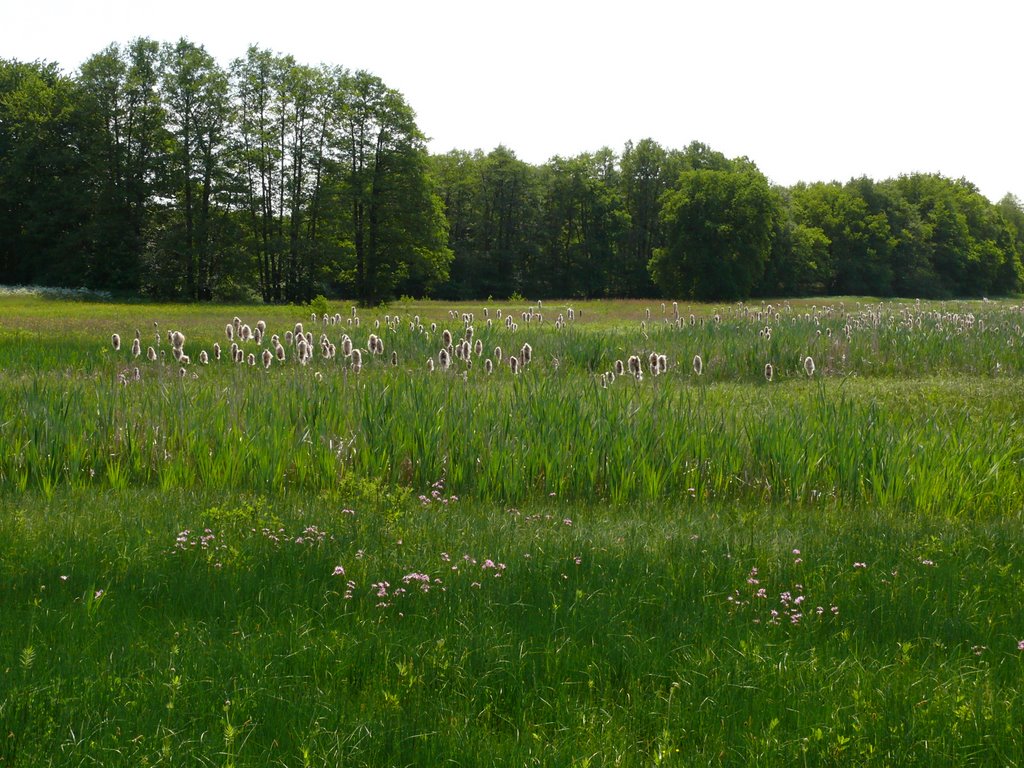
(144, 628)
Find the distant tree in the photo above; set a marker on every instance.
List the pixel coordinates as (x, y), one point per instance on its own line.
(122, 91)
(457, 175)
(306, 102)
(584, 225)
(719, 226)
(799, 258)
(645, 177)
(257, 155)
(908, 263)
(311, 242)
(195, 95)
(698, 156)
(971, 244)
(860, 241)
(492, 204)
(155, 170)
(397, 226)
(1013, 214)
(506, 240)
(869, 271)
(45, 184)
(1012, 210)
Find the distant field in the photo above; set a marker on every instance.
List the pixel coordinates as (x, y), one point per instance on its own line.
(783, 533)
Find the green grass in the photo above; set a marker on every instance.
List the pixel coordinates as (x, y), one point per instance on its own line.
(594, 557)
(654, 642)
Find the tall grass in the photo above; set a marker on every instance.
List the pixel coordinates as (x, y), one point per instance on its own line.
(311, 566)
(911, 443)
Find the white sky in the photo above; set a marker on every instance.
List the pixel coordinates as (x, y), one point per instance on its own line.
(810, 90)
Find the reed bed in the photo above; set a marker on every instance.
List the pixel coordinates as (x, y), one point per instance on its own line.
(863, 431)
(613, 555)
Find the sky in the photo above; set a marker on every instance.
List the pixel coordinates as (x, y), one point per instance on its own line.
(810, 90)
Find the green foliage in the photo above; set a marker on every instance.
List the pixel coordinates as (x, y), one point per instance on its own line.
(320, 306)
(551, 429)
(719, 226)
(156, 171)
(645, 177)
(241, 519)
(395, 220)
(126, 151)
(194, 92)
(44, 182)
(799, 263)
(972, 248)
(309, 565)
(390, 502)
(491, 204)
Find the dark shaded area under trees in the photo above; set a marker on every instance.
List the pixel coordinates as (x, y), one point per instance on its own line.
(155, 171)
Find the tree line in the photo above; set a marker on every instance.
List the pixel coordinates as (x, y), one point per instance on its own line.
(155, 171)
(693, 223)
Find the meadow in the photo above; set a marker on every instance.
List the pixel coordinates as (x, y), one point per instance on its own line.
(784, 533)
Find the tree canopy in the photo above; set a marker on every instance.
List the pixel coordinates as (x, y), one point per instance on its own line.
(719, 226)
(156, 170)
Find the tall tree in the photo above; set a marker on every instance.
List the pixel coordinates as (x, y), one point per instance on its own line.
(195, 94)
(123, 95)
(44, 180)
(860, 240)
(305, 102)
(324, 108)
(798, 264)
(506, 233)
(867, 267)
(399, 235)
(719, 226)
(971, 244)
(1012, 279)
(909, 263)
(1013, 212)
(257, 154)
(457, 174)
(645, 178)
(492, 203)
(585, 225)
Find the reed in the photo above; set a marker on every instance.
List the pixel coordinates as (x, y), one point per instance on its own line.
(222, 564)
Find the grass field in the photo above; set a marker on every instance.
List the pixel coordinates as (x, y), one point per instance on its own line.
(366, 559)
